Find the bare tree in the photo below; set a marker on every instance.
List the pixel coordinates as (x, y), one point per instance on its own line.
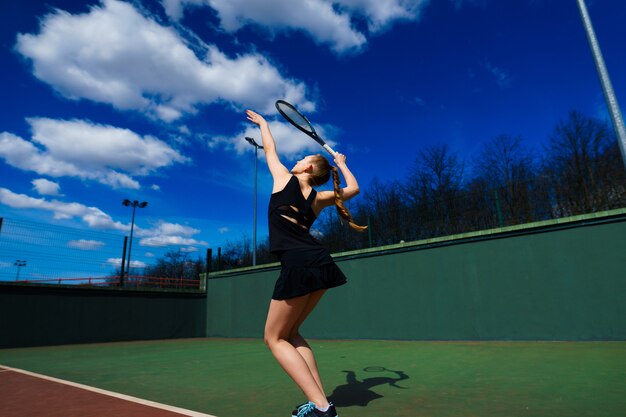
(574, 165)
(384, 205)
(508, 170)
(614, 176)
(333, 231)
(173, 269)
(433, 187)
(481, 209)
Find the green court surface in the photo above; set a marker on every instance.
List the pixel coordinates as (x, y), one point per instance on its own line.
(235, 378)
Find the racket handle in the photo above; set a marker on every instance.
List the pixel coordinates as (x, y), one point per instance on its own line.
(329, 149)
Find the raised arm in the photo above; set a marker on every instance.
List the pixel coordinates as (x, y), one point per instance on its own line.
(327, 198)
(352, 186)
(277, 169)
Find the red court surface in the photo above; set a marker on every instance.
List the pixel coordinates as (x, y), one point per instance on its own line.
(25, 394)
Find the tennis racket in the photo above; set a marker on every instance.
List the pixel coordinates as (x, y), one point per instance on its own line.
(297, 119)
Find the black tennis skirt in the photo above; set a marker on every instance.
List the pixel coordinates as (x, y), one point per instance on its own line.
(306, 270)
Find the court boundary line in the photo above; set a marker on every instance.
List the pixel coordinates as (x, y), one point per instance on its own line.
(117, 395)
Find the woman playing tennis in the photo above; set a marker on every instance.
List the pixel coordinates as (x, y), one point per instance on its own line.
(307, 269)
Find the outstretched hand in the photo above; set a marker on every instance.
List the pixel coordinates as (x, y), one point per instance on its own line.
(255, 118)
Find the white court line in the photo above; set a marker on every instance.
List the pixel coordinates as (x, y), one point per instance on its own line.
(112, 394)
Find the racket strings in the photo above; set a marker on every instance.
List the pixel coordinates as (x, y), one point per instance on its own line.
(294, 116)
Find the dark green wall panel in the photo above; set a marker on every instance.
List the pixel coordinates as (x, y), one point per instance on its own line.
(32, 315)
(562, 282)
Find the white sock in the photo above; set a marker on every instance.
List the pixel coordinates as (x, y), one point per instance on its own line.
(323, 409)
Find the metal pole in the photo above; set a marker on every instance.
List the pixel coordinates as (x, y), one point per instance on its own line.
(252, 142)
(209, 260)
(130, 246)
(256, 161)
(134, 204)
(123, 261)
(19, 263)
(607, 88)
(498, 209)
(369, 230)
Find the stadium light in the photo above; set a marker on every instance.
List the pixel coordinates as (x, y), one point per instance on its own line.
(256, 160)
(19, 263)
(134, 204)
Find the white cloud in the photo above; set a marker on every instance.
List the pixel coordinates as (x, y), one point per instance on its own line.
(155, 187)
(163, 234)
(174, 8)
(381, 13)
(92, 216)
(326, 21)
(328, 26)
(133, 264)
(79, 148)
(46, 187)
(165, 228)
(189, 249)
(164, 240)
(169, 234)
(85, 244)
(115, 55)
(223, 230)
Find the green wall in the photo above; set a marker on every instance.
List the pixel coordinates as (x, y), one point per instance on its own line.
(559, 280)
(562, 280)
(39, 315)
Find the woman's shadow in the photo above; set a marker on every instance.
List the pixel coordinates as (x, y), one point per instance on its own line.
(356, 392)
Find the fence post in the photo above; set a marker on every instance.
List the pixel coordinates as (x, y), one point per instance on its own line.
(498, 209)
(219, 258)
(123, 262)
(369, 230)
(209, 260)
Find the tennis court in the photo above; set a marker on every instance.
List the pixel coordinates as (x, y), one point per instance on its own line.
(236, 377)
(515, 293)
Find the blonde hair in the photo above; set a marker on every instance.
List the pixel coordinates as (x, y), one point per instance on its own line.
(321, 175)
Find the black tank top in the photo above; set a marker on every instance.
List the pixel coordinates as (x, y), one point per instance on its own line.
(290, 218)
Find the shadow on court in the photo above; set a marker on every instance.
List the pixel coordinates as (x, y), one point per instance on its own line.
(359, 393)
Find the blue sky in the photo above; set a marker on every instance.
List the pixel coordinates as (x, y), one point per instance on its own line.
(144, 99)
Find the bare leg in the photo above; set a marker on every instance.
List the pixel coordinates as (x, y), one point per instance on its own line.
(301, 345)
(281, 319)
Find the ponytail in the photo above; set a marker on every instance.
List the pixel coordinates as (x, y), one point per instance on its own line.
(341, 208)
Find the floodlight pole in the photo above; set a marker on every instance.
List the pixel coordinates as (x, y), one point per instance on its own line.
(256, 161)
(134, 205)
(19, 263)
(607, 88)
